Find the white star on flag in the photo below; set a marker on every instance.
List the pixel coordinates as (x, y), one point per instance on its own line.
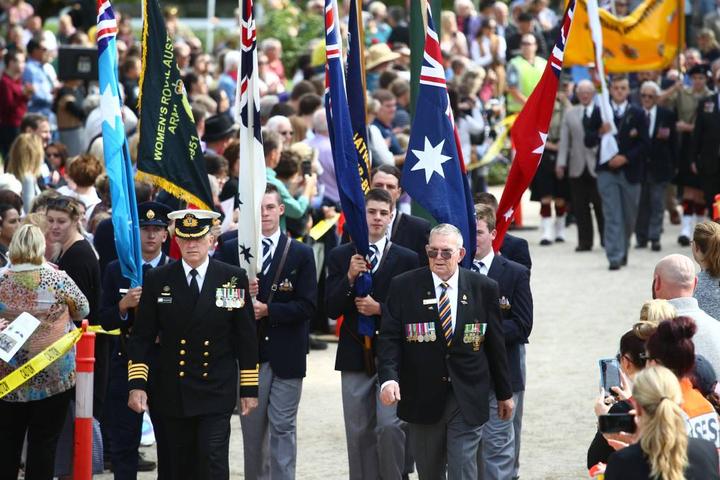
(508, 215)
(110, 106)
(543, 139)
(430, 159)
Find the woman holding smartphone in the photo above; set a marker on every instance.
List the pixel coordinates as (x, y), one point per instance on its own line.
(663, 448)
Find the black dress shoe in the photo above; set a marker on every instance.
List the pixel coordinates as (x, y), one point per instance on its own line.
(145, 465)
(582, 249)
(684, 241)
(545, 242)
(316, 344)
(614, 266)
(641, 245)
(656, 247)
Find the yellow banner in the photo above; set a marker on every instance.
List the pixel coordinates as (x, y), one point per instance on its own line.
(45, 358)
(497, 146)
(647, 39)
(322, 227)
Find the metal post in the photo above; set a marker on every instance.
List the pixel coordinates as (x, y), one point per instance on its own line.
(85, 367)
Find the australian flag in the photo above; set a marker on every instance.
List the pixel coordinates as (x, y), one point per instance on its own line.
(115, 147)
(530, 130)
(434, 171)
(252, 179)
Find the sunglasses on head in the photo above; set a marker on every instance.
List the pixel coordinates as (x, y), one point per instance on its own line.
(446, 254)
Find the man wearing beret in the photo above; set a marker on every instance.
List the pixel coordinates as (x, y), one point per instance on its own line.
(201, 311)
(124, 426)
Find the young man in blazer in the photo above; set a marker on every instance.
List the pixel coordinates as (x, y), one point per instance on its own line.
(500, 446)
(660, 167)
(284, 293)
(375, 435)
(201, 311)
(619, 179)
(441, 350)
(117, 310)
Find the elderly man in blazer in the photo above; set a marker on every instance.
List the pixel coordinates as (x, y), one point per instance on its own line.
(441, 350)
(706, 144)
(579, 162)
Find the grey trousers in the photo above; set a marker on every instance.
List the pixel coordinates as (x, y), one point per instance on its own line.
(496, 455)
(651, 212)
(620, 200)
(375, 435)
(270, 431)
(448, 446)
(518, 415)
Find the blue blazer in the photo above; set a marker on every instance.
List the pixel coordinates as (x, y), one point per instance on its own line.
(516, 249)
(283, 334)
(513, 281)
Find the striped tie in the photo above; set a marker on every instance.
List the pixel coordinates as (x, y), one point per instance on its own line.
(476, 266)
(446, 314)
(267, 257)
(373, 259)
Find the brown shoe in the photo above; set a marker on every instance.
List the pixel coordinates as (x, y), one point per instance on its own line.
(674, 217)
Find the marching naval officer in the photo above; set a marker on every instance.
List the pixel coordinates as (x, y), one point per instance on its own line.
(201, 312)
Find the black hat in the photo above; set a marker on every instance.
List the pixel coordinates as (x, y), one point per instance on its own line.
(705, 377)
(699, 69)
(218, 127)
(193, 223)
(153, 214)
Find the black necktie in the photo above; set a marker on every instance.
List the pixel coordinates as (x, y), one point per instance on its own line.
(194, 287)
(146, 267)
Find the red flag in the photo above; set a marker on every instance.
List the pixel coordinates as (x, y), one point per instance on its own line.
(529, 133)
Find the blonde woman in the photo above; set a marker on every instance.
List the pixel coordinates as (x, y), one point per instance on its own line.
(24, 161)
(663, 450)
(651, 314)
(706, 252)
(39, 406)
(452, 40)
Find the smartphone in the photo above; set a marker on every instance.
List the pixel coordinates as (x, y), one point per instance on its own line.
(306, 167)
(609, 374)
(616, 423)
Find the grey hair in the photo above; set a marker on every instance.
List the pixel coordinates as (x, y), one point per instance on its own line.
(447, 229)
(319, 121)
(650, 84)
(276, 121)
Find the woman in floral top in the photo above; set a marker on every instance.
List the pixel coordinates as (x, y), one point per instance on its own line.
(39, 406)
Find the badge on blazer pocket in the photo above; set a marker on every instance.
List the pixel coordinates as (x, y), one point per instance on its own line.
(420, 332)
(504, 303)
(633, 133)
(165, 300)
(474, 334)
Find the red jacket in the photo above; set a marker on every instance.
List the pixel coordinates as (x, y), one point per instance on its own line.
(13, 102)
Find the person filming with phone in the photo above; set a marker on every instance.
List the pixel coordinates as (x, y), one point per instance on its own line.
(663, 448)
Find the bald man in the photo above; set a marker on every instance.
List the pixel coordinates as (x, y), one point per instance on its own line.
(674, 280)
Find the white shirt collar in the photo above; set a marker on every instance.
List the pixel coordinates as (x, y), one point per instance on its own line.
(620, 107)
(487, 261)
(380, 244)
(275, 237)
(155, 261)
(452, 281)
(202, 269)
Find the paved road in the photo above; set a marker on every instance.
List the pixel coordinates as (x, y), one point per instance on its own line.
(581, 310)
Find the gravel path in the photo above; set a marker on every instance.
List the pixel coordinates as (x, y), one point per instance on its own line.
(581, 310)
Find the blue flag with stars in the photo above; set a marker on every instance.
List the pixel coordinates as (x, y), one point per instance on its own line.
(115, 149)
(433, 174)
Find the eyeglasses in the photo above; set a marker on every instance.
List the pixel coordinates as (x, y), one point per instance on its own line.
(647, 95)
(446, 254)
(287, 133)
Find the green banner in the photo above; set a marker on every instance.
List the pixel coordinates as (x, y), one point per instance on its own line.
(169, 152)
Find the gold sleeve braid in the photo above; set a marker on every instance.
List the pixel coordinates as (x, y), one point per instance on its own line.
(137, 371)
(249, 378)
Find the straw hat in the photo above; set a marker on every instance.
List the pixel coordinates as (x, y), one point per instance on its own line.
(378, 54)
